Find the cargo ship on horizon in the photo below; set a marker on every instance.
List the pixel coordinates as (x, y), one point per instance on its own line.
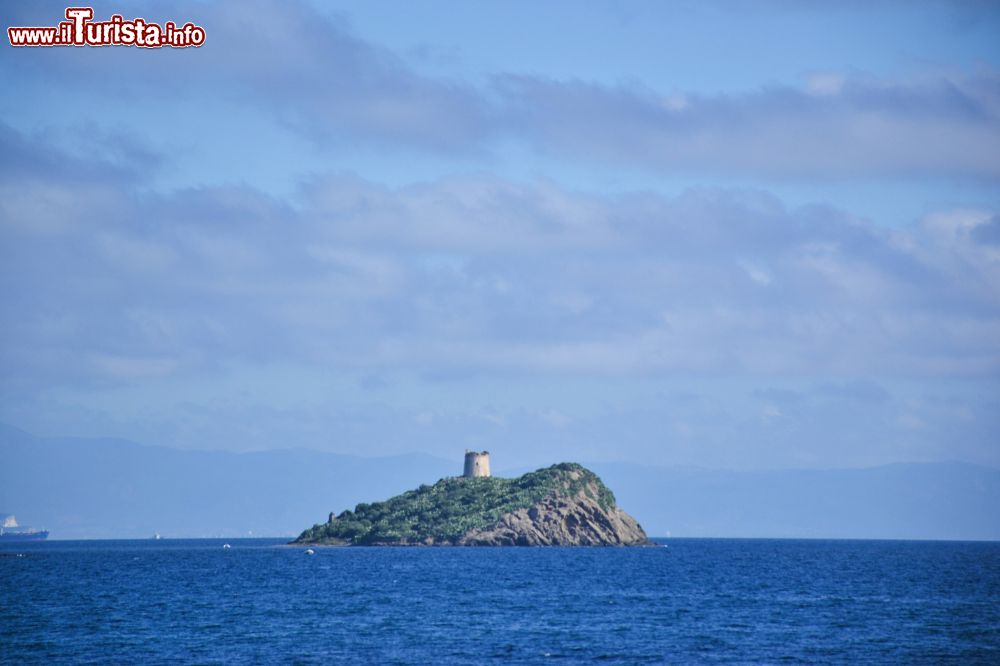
(11, 531)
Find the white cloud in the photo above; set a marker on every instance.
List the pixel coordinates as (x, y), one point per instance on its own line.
(306, 72)
(130, 368)
(486, 275)
(825, 83)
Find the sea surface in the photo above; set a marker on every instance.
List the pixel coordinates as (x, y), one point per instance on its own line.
(693, 601)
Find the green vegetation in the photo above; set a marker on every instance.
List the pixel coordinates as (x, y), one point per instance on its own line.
(453, 506)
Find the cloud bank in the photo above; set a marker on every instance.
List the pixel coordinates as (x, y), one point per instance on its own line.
(314, 75)
(108, 281)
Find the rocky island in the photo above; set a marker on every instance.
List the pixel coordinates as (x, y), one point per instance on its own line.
(562, 505)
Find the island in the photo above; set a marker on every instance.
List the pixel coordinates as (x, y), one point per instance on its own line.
(561, 505)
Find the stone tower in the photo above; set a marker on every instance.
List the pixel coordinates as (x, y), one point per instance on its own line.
(477, 463)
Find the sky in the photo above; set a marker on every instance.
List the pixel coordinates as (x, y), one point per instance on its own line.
(740, 235)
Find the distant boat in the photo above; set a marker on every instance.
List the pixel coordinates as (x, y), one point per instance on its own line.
(157, 536)
(11, 531)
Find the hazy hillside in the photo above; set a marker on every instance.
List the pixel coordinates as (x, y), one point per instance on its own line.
(900, 501)
(114, 488)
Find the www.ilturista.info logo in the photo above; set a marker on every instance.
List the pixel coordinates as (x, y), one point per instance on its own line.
(81, 30)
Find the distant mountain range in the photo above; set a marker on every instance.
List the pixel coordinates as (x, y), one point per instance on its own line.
(108, 488)
(948, 500)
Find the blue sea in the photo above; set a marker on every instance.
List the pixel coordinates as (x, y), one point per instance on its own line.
(690, 601)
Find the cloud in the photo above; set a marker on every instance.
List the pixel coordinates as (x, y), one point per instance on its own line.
(314, 75)
(988, 233)
(836, 127)
(480, 275)
(867, 422)
(304, 70)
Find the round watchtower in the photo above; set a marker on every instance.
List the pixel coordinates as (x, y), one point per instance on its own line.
(477, 463)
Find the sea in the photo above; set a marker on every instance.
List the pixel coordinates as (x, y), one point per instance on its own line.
(685, 601)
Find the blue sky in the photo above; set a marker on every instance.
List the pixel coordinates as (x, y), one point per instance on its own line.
(740, 235)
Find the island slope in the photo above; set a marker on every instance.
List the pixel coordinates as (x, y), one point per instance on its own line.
(562, 505)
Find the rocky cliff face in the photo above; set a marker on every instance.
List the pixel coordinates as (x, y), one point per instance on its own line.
(577, 520)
